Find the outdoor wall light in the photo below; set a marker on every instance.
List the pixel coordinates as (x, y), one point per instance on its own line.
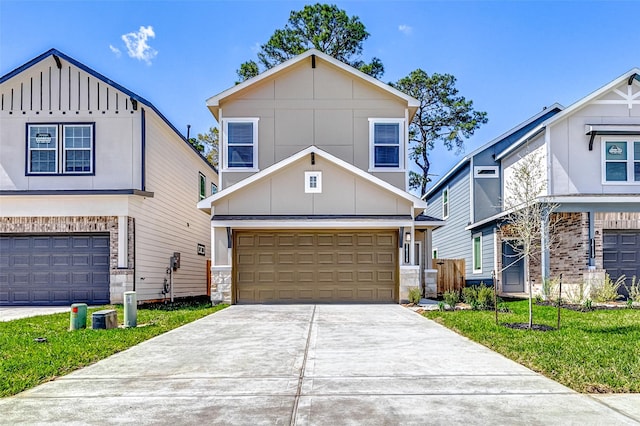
(407, 237)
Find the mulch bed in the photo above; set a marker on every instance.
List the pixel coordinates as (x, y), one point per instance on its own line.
(594, 307)
(525, 326)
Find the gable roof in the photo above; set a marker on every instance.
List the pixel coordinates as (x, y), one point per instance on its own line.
(214, 101)
(56, 54)
(205, 204)
(628, 77)
(467, 158)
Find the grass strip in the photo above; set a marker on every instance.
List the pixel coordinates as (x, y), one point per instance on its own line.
(593, 352)
(25, 363)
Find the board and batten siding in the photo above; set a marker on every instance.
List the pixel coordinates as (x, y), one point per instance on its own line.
(170, 221)
(46, 94)
(574, 168)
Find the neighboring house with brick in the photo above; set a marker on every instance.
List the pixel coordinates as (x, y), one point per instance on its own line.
(313, 205)
(98, 190)
(592, 167)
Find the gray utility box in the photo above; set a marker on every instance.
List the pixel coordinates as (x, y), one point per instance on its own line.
(104, 319)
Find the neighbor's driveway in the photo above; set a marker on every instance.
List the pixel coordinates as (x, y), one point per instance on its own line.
(306, 364)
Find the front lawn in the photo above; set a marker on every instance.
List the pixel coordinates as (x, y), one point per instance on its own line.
(593, 352)
(25, 363)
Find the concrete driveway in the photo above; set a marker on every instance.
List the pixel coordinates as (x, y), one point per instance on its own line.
(306, 364)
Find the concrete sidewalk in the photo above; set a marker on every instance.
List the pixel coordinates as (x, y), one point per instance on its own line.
(306, 364)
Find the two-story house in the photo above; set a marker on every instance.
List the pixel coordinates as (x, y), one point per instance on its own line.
(313, 205)
(98, 190)
(471, 192)
(591, 160)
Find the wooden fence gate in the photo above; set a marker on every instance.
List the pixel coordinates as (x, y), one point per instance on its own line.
(451, 274)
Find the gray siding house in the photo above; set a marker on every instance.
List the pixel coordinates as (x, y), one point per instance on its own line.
(471, 192)
(98, 190)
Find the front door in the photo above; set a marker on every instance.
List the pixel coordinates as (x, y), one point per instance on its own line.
(513, 270)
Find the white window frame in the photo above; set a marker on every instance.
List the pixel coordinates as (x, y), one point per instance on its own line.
(401, 144)
(61, 150)
(225, 144)
(630, 161)
(477, 172)
(473, 253)
(202, 186)
(446, 205)
(308, 179)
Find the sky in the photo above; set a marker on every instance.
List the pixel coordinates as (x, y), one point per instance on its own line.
(511, 58)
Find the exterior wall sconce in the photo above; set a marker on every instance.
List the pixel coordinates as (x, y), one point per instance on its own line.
(407, 237)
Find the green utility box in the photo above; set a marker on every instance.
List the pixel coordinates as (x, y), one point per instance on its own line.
(130, 309)
(78, 318)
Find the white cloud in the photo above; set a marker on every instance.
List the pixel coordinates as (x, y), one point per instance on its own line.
(137, 46)
(256, 47)
(115, 50)
(405, 29)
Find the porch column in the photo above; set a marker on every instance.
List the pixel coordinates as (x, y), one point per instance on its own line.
(544, 244)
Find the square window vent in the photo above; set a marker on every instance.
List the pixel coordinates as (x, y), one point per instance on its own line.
(313, 182)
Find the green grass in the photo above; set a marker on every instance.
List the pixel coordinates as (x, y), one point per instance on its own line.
(25, 363)
(593, 352)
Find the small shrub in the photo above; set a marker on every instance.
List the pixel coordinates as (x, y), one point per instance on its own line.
(451, 298)
(469, 295)
(587, 305)
(549, 288)
(502, 306)
(475, 305)
(634, 290)
(441, 306)
(538, 298)
(414, 295)
(485, 296)
(629, 303)
(575, 294)
(607, 291)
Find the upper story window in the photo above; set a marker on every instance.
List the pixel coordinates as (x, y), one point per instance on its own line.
(485, 172)
(50, 154)
(202, 186)
(241, 143)
(214, 188)
(445, 203)
(621, 161)
(386, 144)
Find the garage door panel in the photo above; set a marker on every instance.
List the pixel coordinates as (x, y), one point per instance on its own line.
(318, 266)
(44, 269)
(20, 261)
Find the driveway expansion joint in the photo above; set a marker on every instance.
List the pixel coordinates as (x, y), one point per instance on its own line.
(294, 411)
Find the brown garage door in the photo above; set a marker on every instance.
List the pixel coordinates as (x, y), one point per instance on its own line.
(313, 266)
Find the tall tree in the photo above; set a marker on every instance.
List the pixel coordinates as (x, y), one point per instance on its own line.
(529, 224)
(208, 144)
(443, 116)
(321, 26)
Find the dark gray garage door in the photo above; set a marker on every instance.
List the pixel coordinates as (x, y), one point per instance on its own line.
(621, 255)
(54, 269)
